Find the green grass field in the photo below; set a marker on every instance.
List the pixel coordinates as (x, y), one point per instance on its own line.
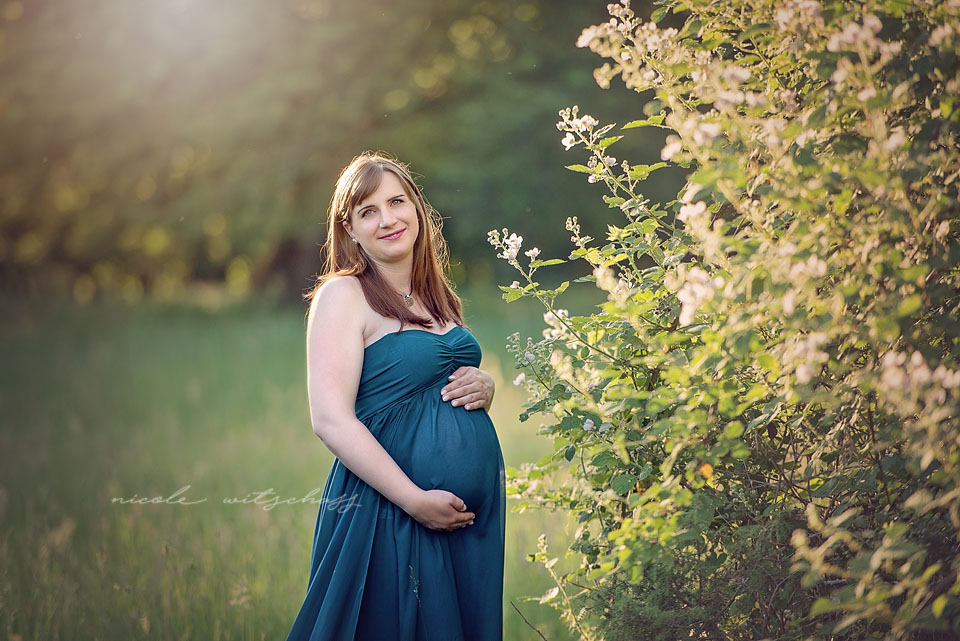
(108, 401)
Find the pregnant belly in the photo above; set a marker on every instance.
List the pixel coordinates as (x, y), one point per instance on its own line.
(454, 449)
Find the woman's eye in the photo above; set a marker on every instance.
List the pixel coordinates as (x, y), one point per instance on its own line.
(366, 211)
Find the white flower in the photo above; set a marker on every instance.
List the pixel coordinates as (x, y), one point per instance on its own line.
(804, 373)
(515, 285)
(726, 98)
(532, 253)
(706, 132)
(521, 377)
(589, 34)
(854, 34)
(569, 141)
(804, 136)
(691, 191)
(789, 98)
(866, 94)
(939, 34)
(604, 427)
(806, 353)
(813, 267)
(794, 15)
(773, 127)
(512, 246)
(688, 212)
(786, 249)
(606, 280)
(848, 37)
(588, 425)
(697, 288)
(784, 16)
(671, 148)
(549, 316)
(735, 74)
(583, 123)
(893, 376)
(890, 48)
(949, 379)
(896, 140)
(622, 290)
(529, 357)
(789, 301)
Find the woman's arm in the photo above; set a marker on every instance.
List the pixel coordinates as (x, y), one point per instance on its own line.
(334, 362)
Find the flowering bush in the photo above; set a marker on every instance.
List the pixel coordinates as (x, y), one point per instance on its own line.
(761, 422)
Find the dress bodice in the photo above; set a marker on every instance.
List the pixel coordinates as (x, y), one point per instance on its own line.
(398, 365)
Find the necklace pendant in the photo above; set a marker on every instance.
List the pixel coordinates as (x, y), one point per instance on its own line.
(408, 299)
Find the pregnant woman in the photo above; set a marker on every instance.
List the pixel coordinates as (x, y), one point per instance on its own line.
(409, 539)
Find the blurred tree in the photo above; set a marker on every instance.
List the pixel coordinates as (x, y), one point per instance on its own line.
(147, 144)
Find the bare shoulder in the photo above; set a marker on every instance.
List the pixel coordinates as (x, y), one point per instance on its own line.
(336, 292)
(341, 297)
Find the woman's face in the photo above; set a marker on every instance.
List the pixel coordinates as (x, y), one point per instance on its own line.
(385, 223)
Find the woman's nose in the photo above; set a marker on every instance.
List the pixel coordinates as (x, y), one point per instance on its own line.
(387, 219)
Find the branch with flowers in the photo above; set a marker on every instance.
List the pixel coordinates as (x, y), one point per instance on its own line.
(760, 424)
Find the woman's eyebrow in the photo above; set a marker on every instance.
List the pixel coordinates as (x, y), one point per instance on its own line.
(362, 207)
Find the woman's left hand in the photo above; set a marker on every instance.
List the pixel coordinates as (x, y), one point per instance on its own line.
(469, 386)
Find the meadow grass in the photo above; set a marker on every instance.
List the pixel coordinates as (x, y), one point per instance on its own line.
(107, 401)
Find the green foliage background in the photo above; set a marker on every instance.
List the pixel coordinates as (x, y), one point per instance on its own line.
(148, 145)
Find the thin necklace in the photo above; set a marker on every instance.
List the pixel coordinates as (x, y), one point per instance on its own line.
(408, 298)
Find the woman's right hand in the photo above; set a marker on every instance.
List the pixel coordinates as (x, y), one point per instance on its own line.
(441, 510)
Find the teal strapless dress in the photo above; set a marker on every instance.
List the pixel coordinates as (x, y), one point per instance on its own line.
(376, 574)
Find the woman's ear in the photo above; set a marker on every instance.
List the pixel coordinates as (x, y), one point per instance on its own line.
(348, 227)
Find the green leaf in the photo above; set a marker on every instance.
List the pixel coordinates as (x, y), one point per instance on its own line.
(606, 142)
(691, 28)
(828, 487)
(511, 293)
(739, 450)
(640, 172)
(842, 202)
(652, 121)
(583, 169)
(767, 361)
(546, 263)
(613, 201)
(605, 460)
(938, 605)
(909, 305)
(822, 605)
(623, 483)
(754, 30)
(733, 429)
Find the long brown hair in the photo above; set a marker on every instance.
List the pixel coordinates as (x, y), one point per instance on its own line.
(357, 181)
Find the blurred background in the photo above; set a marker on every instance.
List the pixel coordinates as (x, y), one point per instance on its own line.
(164, 178)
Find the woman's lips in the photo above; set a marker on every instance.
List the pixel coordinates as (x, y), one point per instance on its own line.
(393, 236)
